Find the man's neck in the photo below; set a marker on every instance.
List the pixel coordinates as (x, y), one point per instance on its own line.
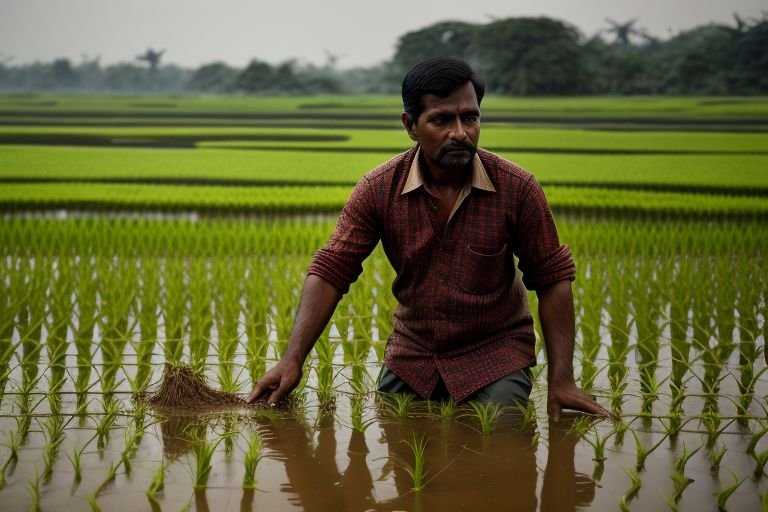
(437, 177)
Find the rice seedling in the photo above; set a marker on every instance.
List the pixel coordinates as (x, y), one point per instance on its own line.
(447, 408)
(34, 490)
(13, 444)
(637, 484)
(111, 411)
(325, 372)
(53, 430)
(715, 458)
(398, 404)
(203, 456)
(642, 452)
(357, 414)
(681, 481)
(75, 460)
(416, 470)
(486, 413)
(754, 439)
(761, 459)
(726, 492)
(252, 458)
(157, 485)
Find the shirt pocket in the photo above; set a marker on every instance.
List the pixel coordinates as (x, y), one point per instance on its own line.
(483, 271)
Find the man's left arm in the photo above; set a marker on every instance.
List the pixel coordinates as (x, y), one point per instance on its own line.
(558, 327)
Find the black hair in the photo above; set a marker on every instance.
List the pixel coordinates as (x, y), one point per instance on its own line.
(439, 76)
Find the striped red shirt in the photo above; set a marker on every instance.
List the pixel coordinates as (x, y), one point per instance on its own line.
(462, 310)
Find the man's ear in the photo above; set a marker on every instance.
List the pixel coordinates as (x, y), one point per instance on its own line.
(408, 124)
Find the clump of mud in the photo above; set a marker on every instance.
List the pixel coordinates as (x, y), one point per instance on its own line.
(182, 388)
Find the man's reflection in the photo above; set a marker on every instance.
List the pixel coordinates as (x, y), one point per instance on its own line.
(464, 470)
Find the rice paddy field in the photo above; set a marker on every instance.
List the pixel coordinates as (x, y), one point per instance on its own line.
(142, 235)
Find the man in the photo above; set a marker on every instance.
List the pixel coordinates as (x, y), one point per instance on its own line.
(450, 218)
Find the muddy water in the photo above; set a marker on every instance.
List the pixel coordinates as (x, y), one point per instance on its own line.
(313, 460)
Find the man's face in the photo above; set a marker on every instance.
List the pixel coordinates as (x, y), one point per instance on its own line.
(448, 129)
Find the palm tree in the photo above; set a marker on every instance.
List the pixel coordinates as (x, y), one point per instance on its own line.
(152, 57)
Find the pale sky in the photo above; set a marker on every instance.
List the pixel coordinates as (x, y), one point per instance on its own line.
(360, 33)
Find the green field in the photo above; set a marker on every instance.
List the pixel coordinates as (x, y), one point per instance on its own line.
(138, 231)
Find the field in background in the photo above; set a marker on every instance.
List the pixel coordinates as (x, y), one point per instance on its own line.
(137, 231)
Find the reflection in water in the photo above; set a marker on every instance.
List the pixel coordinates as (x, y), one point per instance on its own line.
(464, 469)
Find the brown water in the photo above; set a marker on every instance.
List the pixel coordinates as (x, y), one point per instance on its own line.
(313, 460)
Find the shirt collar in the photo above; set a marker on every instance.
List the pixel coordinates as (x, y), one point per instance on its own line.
(479, 178)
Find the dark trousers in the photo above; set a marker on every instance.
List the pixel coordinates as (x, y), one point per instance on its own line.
(513, 389)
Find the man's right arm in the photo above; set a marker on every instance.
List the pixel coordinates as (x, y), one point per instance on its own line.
(318, 301)
(333, 269)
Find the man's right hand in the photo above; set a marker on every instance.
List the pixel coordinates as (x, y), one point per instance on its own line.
(276, 383)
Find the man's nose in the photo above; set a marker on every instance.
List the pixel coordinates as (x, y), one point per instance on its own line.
(457, 130)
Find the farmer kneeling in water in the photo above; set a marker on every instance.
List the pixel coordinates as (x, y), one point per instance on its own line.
(450, 217)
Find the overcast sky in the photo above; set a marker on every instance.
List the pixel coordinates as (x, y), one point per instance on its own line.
(360, 33)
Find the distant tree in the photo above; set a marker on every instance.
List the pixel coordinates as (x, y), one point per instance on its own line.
(61, 75)
(750, 63)
(525, 56)
(257, 77)
(214, 77)
(152, 57)
(698, 61)
(444, 39)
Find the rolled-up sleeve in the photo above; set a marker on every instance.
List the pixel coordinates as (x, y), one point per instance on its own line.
(542, 259)
(357, 232)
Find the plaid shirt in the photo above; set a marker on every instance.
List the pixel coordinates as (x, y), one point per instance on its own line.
(462, 311)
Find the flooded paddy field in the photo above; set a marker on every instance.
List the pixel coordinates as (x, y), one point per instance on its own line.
(94, 307)
(134, 236)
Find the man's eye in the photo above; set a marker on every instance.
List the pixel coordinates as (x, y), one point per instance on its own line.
(471, 119)
(439, 120)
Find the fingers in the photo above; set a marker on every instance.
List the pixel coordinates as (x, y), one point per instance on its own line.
(574, 399)
(262, 387)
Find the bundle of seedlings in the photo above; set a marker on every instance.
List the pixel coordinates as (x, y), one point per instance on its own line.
(182, 388)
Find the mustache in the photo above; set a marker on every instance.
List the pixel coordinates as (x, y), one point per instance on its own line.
(456, 146)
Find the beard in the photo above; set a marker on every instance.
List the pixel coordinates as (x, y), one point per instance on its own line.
(454, 155)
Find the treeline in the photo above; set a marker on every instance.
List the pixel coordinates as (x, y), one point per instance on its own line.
(516, 56)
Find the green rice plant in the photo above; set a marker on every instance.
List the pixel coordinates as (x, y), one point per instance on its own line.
(726, 492)
(118, 293)
(637, 484)
(357, 414)
(157, 484)
(203, 455)
(34, 490)
(255, 313)
(754, 439)
(642, 452)
(712, 422)
(325, 372)
(111, 410)
(200, 314)
(75, 460)
(679, 477)
(174, 307)
(53, 430)
(416, 470)
(598, 445)
(591, 298)
(486, 413)
(715, 458)
(13, 444)
(761, 459)
(148, 324)
(398, 404)
(447, 408)
(252, 458)
(671, 502)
